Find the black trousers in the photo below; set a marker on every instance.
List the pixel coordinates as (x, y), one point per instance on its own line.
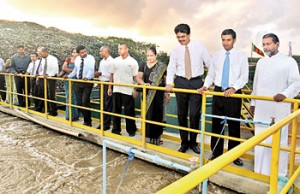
(51, 95)
(83, 95)
(188, 102)
(34, 91)
(20, 86)
(108, 106)
(40, 93)
(127, 101)
(2, 87)
(230, 107)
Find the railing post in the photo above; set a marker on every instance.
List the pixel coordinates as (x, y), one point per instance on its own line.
(293, 141)
(27, 103)
(102, 107)
(274, 162)
(202, 141)
(143, 112)
(69, 82)
(10, 89)
(45, 97)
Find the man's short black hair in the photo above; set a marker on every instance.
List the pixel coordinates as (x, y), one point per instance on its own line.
(183, 28)
(79, 48)
(229, 32)
(34, 53)
(20, 46)
(274, 37)
(124, 43)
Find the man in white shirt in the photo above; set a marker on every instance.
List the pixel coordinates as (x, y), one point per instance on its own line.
(276, 75)
(123, 70)
(31, 70)
(84, 70)
(187, 66)
(50, 69)
(103, 72)
(2, 80)
(229, 72)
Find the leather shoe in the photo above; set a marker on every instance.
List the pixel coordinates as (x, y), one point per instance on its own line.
(183, 149)
(238, 162)
(87, 124)
(195, 149)
(54, 114)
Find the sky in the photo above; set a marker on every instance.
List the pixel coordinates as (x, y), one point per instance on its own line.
(154, 20)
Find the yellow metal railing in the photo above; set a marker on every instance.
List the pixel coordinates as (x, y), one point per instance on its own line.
(143, 121)
(193, 179)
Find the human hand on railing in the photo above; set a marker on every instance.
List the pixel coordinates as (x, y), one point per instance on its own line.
(228, 92)
(169, 88)
(167, 98)
(65, 77)
(84, 78)
(201, 90)
(279, 97)
(46, 76)
(252, 109)
(146, 84)
(135, 93)
(109, 91)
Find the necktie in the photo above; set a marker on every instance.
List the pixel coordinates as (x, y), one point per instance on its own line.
(225, 73)
(38, 69)
(45, 67)
(32, 72)
(187, 61)
(81, 69)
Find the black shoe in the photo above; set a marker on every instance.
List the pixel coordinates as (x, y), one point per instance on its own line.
(54, 114)
(49, 113)
(131, 134)
(99, 127)
(183, 149)
(195, 149)
(238, 162)
(116, 132)
(87, 124)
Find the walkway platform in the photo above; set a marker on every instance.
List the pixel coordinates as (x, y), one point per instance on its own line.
(232, 176)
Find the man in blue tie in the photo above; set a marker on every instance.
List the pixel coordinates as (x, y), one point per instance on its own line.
(229, 73)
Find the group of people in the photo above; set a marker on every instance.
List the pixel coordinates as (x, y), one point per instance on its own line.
(276, 75)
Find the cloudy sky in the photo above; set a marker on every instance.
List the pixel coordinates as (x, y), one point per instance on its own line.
(154, 20)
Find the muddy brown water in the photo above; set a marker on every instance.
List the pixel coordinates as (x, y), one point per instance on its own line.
(38, 160)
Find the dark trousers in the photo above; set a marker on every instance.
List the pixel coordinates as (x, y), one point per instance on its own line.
(127, 101)
(108, 106)
(188, 102)
(230, 107)
(34, 91)
(51, 95)
(2, 87)
(83, 95)
(40, 93)
(20, 86)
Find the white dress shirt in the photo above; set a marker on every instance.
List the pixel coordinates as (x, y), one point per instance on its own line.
(88, 67)
(238, 72)
(32, 67)
(1, 65)
(198, 56)
(104, 67)
(52, 66)
(124, 70)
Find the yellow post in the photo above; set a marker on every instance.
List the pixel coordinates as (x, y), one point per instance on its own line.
(69, 82)
(10, 90)
(45, 97)
(293, 142)
(143, 112)
(26, 93)
(274, 162)
(203, 126)
(101, 108)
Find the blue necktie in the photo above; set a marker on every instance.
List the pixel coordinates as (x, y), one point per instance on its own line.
(225, 73)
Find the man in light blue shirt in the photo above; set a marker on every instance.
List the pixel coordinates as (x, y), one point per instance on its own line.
(84, 70)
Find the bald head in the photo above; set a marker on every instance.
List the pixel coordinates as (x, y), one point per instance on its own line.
(104, 52)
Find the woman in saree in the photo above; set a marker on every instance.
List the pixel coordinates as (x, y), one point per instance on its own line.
(153, 73)
(68, 67)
